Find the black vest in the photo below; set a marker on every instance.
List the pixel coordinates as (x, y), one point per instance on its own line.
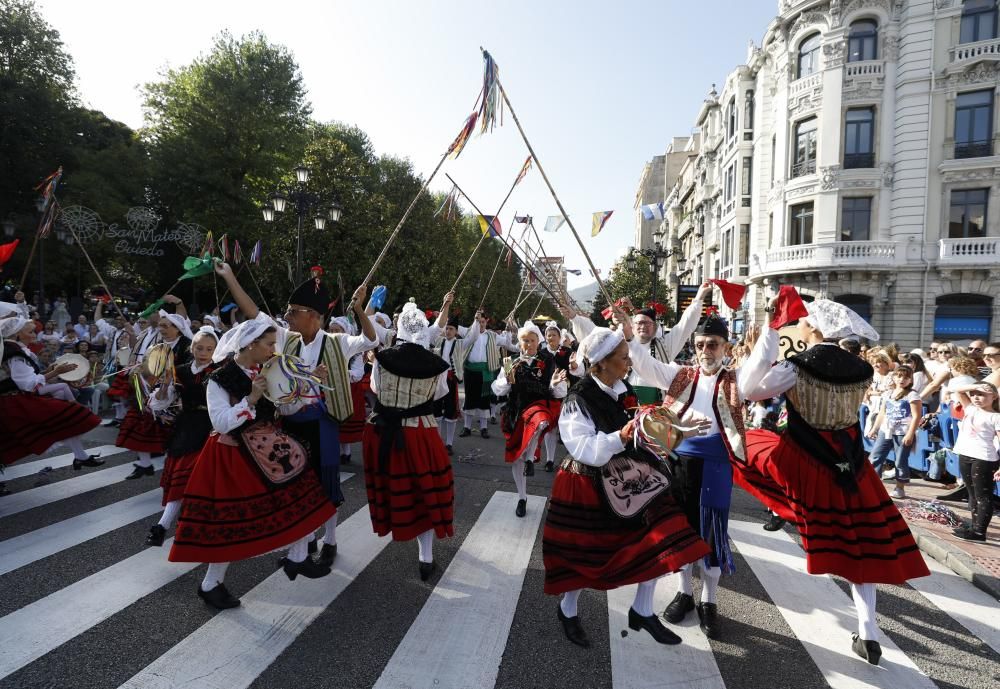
(12, 350)
(231, 378)
(608, 414)
(193, 425)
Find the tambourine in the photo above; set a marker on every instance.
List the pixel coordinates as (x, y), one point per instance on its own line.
(658, 430)
(158, 360)
(289, 379)
(80, 370)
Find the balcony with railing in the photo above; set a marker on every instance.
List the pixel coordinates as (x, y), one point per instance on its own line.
(804, 167)
(976, 251)
(973, 149)
(805, 84)
(859, 161)
(868, 255)
(975, 51)
(864, 68)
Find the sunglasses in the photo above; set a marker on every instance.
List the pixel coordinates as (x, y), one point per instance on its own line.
(706, 345)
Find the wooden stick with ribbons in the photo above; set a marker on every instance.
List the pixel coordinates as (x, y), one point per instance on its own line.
(569, 301)
(497, 265)
(100, 279)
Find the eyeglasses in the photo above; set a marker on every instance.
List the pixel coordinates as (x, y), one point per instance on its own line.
(990, 355)
(975, 349)
(291, 312)
(706, 345)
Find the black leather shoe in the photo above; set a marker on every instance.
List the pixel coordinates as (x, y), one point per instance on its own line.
(426, 570)
(90, 461)
(308, 568)
(967, 534)
(652, 624)
(327, 555)
(678, 608)
(529, 468)
(708, 618)
(573, 629)
(345, 459)
(156, 534)
(869, 650)
(4, 490)
(493, 420)
(484, 434)
(522, 508)
(550, 466)
(774, 523)
(466, 432)
(219, 598)
(450, 451)
(312, 547)
(137, 472)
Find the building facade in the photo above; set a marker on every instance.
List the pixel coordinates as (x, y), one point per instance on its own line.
(853, 155)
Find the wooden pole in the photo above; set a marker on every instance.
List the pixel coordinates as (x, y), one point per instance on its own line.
(100, 279)
(497, 265)
(27, 266)
(541, 247)
(260, 292)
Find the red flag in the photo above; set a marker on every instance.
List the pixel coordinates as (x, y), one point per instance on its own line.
(732, 293)
(7, 250)
(787, 308)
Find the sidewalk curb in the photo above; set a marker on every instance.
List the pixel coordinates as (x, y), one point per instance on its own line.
(957, 560)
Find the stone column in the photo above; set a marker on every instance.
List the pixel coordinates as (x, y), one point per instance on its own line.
(887, 137)
(827, 215)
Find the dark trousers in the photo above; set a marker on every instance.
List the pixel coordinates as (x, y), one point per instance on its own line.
(978, 477)
(687, 492)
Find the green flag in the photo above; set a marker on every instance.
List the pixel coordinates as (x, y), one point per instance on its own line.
(155, 306)
(196, 267)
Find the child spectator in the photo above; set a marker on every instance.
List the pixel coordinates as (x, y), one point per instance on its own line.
(977, 454)
(896, 427)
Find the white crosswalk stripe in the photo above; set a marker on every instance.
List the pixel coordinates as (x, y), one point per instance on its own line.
(967, 605)
(22, 469)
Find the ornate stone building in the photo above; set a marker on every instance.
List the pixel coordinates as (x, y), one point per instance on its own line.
(854, 155)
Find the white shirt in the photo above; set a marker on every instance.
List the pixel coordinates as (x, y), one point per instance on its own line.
(581, 437)
(224, 415)
(501, 387)
(23, 375)
(976, 434)
(478, 352)
(82, 331)
(574, 369)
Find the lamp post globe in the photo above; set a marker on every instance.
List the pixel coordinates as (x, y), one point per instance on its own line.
(279, 200)
(320, 222)
(302, 174)
(335, 211)
(268, 211)
(9, 228)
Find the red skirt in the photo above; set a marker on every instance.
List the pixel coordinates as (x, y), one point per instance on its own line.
(120, 385)
(141, 432)
(352, 429)
(530, 422)
(229, 513)
(30, 424)
(859, 535)
(416, 491)
(586, 546)
(175, 476)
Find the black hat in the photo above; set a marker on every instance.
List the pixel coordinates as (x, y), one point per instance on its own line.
(312, 294)
(453, 321)
(651, 313)
(713, 325)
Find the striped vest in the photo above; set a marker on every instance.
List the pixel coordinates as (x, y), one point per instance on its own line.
(492, 355)
(337, 394)
(726, 405)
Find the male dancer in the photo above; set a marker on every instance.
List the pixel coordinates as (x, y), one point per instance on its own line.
(451, 348)
(478, 366)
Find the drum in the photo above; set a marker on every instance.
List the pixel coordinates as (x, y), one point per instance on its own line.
(80, 370)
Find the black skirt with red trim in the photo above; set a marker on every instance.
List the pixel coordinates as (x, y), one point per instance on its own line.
(585, 545)
(353, 428)
(856, 534)
(30, 424)
(176, 474)
(537, 418)
(141, 432)
(229, 513)
(415, 492)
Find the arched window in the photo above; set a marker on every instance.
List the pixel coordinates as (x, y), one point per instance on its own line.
(963, 317)
(861, 304)
(979, 21)
(809, 56)
(731, 118)
(862, 43)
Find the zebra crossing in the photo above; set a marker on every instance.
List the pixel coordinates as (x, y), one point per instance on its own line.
(132, 620)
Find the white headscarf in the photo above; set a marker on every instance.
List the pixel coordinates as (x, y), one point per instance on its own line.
(7, 308)
(206, 330)
(837, 321)
(179, 322)
(599, 344)
(12, 326)
(529, 327)
(242, 336)
(552, 325)
(345, 324)
(412, 324)
(382, 319)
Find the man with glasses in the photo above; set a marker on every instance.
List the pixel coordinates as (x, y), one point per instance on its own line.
(703, 477)
(991, 355)
(975, 350)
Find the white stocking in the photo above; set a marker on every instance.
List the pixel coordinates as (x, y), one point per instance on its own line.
(425, 546)
(520, 480)
(170, 513)
(76, 446)
(145, 459)
(299, 550)
(550, 445)
(643, 603)
(467, 416)
(864, 601)
(215, 575)
(120, 410)
(449, 429)
(330, 535)
(568, 602)
(709, 583)
(345, 449)
(529, 452)
(484, 419)
(685, 579)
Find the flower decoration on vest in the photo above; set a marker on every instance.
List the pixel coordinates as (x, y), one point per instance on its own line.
(630, 401)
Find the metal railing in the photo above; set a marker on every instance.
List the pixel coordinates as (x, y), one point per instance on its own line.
(806, 167)
(974, 149)
(854, 161)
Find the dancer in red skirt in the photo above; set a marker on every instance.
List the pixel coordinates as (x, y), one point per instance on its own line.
(121, 389)
(816, 475)
(585, 543)
(407, 471)
(533, 385)
(34, 412)
(142, 429)
(353, 426)
(251, 490)
(561, 355)
(190, 429)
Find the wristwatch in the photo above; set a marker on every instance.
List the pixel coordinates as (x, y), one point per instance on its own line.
(769, 309)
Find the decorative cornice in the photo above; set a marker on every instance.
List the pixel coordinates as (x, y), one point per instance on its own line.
(971, 175)
(800, 191)
(864, 90)
(834, 53)
(980, 72)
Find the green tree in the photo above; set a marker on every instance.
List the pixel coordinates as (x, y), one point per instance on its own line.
(635, 284)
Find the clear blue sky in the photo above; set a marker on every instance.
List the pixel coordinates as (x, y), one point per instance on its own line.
(599, 87)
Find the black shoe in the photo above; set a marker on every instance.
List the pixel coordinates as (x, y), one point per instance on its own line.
(484, 434)
(466, 432)
(450, 451)
(652, 624)
(307, 568)
(493, 420)
(679, 607)
(219, 598)
(327, 555)
(426, 570)
(137, 472)
(550, 466)
(967, 534)
(774, 523)
(156, 534)
(522, 508)
(4, 490)
(869, 650)
(708, 618)
(529, 468)
(112, 423)
(90, 461)
(345, 459)
(573, 629)
(312, 547)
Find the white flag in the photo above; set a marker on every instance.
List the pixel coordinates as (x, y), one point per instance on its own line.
(554, 222)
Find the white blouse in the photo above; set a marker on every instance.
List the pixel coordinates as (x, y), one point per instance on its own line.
(581, 437)
(226, 416)
(501, 387)
(23, 375)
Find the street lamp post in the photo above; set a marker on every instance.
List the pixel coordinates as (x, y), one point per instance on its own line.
(304, 202)
(656, 255)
